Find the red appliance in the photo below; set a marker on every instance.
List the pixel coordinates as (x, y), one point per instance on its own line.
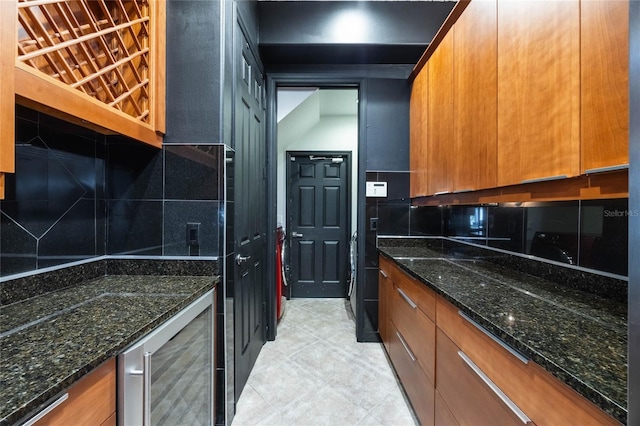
(280, 280)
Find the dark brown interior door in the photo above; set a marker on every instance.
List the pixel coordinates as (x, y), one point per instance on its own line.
(250, 218)
(319, 224)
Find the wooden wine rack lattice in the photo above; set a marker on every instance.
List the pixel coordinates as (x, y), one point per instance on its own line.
(99, 47)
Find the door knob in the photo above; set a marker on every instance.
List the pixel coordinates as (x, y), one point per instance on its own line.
(294, 234)
(241, 259)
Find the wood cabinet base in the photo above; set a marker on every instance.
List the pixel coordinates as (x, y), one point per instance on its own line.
(92, 400)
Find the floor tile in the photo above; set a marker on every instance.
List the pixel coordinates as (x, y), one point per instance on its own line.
(316, 373)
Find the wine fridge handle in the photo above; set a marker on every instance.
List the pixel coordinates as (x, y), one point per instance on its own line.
(146, 389)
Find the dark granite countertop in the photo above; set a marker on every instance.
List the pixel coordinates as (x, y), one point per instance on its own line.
(50, 341)
(579, 337)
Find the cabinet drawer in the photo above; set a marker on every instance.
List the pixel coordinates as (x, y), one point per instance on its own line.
(472, 401)
(417, 292)
(417, 329)
(91, 401)
(545, 399)
(418, 388)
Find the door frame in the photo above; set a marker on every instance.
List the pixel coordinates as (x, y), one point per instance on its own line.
(349, 156)
(322, 80)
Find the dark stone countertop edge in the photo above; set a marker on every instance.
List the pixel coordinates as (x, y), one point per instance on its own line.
(40, 402)
(605, 403)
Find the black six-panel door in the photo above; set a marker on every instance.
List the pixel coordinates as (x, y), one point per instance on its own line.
(319, 224)
(250, 223)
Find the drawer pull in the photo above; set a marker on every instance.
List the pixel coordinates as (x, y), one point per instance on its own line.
(47, 410)
(406, 347)
(384, 274)
(512, 351)
(145, 373)
(607, 169)
(544, 179)
(407, 298)
(507, 401)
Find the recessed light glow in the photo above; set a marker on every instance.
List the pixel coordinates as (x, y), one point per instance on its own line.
(350, 26)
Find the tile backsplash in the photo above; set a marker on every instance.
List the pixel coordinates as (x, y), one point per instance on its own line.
(78, 194)
(591, 234)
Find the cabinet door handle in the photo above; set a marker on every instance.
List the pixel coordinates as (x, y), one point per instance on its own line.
(607, 169)
(407, 298)
(512, 351)
(507, 401)
(406, 347)
(383, 273)
(544, 179)
(47, 410)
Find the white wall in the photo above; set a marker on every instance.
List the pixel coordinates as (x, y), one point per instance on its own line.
(313, 127)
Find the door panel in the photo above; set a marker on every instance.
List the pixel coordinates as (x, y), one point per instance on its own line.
(318, 220)
(249, 212)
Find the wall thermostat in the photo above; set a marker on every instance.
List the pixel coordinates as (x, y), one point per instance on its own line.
(376, 189)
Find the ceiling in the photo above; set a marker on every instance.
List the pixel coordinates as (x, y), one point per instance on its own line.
(348, 32)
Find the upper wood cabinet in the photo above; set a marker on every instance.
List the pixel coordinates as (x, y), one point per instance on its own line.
(440, 151)
(8, 51)
(98, 64)
(604, 58)
(538, 90)
(475, 92)
(418, 134)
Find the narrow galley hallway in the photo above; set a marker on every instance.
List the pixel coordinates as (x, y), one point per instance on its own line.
(315, 373)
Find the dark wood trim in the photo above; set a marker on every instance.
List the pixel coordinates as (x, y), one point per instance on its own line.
(437, 39)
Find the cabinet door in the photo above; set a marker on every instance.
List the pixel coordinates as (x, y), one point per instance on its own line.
(538, 90)
(8, 53)
(418, 134)
(475, 93)
(383, 305)
(440, 118)
(604, 59)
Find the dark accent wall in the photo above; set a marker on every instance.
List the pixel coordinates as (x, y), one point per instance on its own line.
(193, 71)
(634, 221)
(388, 124)
(77, 194)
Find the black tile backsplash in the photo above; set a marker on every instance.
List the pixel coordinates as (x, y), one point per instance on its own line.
(426, 221)
(193, 172)
(176, 216)
(135, 227)
(505, 228)
(67, 242)
(77, 194)
(604, 235)
(466, 222)
(551, 231)
(18, 248)
(591, 233)
(393, 218)
(134, 171)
